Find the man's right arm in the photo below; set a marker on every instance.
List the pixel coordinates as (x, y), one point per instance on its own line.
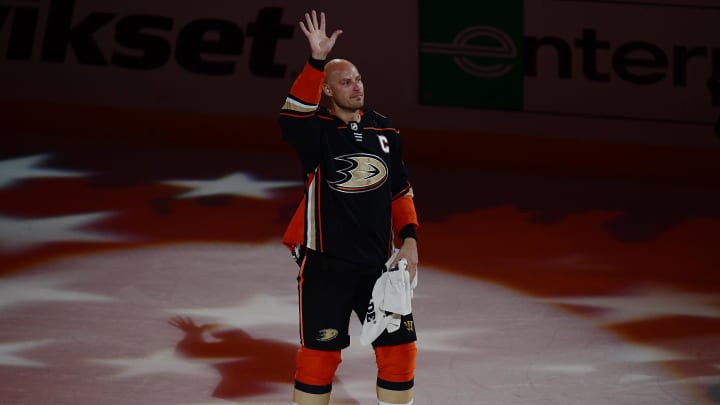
(296, 115)
(305, 94)
(296, 123)
(306, 91)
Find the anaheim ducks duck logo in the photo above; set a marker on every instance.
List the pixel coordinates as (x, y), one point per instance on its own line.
(364, 173)
(326, 335)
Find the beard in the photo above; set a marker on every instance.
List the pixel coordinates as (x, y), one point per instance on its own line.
(350, 105)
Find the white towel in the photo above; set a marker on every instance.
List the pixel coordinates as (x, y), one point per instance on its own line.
(398, 290)
(391, 298)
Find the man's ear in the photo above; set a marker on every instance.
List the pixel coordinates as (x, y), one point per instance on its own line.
(327, 90)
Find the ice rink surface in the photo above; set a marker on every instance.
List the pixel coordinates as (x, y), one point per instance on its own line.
(141, 274)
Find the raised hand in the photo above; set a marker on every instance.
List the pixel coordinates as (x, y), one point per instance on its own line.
(320, 43)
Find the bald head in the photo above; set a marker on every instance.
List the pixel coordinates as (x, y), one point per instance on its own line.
(336, 66)
(343, 85)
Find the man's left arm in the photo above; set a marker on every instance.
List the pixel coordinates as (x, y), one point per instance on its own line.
(404, 217)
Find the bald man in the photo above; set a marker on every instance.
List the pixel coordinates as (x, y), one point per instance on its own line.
(357, 208)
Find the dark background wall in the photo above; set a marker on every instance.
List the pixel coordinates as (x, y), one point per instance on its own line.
(629, 72)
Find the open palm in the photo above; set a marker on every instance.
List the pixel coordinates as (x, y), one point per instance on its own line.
(320, 43)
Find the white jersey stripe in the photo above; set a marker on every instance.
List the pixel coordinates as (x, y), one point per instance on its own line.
(295, 105)
(310, 223)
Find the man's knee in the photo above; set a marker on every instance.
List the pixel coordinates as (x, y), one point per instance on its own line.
(315, 370)
(396, 366)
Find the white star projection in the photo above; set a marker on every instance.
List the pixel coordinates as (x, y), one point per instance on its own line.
(635, 378)
(449, 340)
(12, 171)
(620, 353)
(654, 303)
(238, 184)
(17, 234)
(8, 357)
(165, 361)
(30, 290)
(259, 309)
(564, 368)
(632, 353)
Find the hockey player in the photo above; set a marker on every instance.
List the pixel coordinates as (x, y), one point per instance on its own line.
(358, 203)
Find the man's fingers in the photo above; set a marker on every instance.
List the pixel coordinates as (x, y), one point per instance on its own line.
(336, 34)
(303, 29)
(314, 20)
(410, 265)
(311, 23)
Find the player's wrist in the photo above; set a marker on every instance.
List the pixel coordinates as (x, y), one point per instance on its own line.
(318, 64)
(408, 231)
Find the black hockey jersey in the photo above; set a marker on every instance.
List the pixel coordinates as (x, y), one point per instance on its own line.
(357, 185)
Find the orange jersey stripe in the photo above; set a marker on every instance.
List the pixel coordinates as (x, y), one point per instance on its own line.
(287, 114)
(403, 213)
(308, 85)
(383, 129)
(319, 216)
(406, 190)
(301, 279)
(294, 232)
